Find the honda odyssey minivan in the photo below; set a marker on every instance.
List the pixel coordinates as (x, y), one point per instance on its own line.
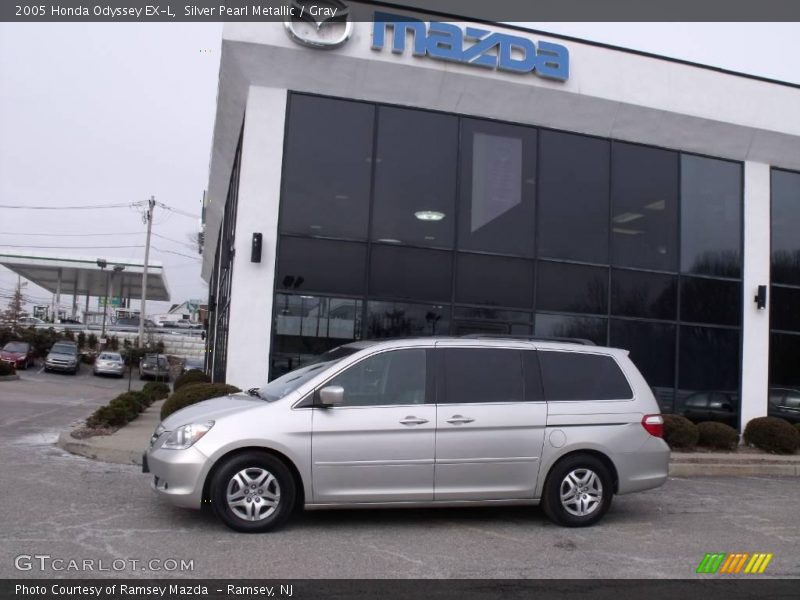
(420, 422)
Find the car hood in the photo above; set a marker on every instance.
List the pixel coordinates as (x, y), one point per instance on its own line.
(61, 355)
(213, 409)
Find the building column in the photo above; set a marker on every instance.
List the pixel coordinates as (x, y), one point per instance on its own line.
(755, 323)
(75, 298)
(253, 284)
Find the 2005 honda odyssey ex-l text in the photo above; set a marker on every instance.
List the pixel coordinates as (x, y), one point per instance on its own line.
(421, 422)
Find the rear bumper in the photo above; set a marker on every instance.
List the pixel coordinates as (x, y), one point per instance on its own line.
(645, 469)
(60, 367)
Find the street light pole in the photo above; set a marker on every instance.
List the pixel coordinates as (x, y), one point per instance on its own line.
(102, 264)
(148, 216)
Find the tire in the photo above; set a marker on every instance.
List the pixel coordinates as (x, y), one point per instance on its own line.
(264, 512)
(587, 488)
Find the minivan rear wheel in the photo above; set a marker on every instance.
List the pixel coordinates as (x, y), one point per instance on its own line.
(252, 492)
(578, 491)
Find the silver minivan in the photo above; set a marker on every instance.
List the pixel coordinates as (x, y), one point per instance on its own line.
(420, 422)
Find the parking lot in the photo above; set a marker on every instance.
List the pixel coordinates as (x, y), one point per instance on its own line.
(73, 508)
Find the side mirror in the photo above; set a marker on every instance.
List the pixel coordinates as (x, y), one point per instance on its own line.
(332, 395)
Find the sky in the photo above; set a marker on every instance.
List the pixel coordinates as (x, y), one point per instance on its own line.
(100, 113)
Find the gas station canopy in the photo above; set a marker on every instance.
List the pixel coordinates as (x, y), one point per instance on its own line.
(89, 276)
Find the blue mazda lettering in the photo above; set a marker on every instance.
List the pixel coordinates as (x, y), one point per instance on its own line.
(473, 46)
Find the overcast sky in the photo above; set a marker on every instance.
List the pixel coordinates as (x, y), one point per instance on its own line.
(113, 113)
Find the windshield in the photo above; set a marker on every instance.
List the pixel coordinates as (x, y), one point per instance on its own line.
(16, 347)
(63, 349)
(286, 384)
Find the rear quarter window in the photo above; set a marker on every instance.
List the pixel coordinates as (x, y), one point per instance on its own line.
(582, 376)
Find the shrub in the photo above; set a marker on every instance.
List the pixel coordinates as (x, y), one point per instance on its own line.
(191, 376)
(797, 426)
(69, 335)
(88, 358)
(121, 410)
(194, 393)
(6, 368)
(112, 343)
(680, 432)
(772, 434)
(91, 341)
(81, 340)
(156, 390)
(717, 435)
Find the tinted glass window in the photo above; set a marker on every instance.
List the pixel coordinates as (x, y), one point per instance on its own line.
(571, 288)
(711, 301)
(390, 378)
(410, 273)
(580, 376)
(709, 359)
(711, 213)
(566, 326)
(394, 320)
(573, 197)
(640, 294)
(785, 225)
(533, 376)
(321, 266)
(482, 375)
(328, 167)
(498, 185)
(644, 200)
(784, 357)
(785, 309)
(415, 177)
(479, 320)
(652, 349)
(494, 280)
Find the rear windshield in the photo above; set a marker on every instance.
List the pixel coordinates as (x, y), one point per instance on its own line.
(110, 356)
(16, 347)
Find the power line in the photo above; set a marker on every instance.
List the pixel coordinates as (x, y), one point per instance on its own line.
(178, 211)
(62, 207)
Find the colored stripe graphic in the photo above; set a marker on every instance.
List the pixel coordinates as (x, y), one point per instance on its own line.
(721, 562)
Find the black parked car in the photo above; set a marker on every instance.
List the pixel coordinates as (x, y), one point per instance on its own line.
(711, 406)
(785, 404)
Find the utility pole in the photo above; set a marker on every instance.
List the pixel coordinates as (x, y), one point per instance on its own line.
(148, 217)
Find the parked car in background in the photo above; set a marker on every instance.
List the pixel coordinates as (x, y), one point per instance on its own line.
(130, 324)
(109, 363)
(420, 422)
(154, 366)
(63, 356)
(18, 353)
(30, 322)
(711, 406)
(785, 404)
(191, 362)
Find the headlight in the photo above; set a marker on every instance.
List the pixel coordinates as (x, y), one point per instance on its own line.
(186, 435)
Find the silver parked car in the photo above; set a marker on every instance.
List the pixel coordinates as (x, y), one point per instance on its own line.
(420, 422)
(109, 363)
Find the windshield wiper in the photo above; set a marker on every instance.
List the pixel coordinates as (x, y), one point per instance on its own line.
(255, 392)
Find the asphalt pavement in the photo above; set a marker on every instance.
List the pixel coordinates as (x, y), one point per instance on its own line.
(65, 507)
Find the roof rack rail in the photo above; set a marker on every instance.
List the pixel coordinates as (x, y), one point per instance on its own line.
(531, 338)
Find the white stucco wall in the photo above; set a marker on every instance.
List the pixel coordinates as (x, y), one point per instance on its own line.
(259, 198)
(755, 323)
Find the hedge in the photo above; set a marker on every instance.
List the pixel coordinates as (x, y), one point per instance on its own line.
(156, 390)
(191, 376)
(773, 435)
(121, 410)
(6, 368)
(192, 394)
(680, 432)
(717, 435)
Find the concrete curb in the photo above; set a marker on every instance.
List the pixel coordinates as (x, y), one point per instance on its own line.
(9, 377)
(732, 469)
(88, 448)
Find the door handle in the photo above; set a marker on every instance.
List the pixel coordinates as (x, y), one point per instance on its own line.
(459, 420)
(410, 420)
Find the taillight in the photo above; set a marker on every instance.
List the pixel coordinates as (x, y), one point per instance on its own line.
(654, 424)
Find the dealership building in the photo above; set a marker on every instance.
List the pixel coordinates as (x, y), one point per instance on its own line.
(430, 176)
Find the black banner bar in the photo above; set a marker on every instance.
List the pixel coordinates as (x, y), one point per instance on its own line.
(719, 588)
(535, 11)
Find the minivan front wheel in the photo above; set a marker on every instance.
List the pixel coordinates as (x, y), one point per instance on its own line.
(252, 492)
(578, 491)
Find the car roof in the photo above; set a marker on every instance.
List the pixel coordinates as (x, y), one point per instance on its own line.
(487, 341)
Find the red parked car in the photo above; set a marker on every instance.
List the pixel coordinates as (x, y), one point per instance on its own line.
(19, 353)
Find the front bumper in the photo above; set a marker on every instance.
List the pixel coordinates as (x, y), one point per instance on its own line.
(178, 475)
(59, 366)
